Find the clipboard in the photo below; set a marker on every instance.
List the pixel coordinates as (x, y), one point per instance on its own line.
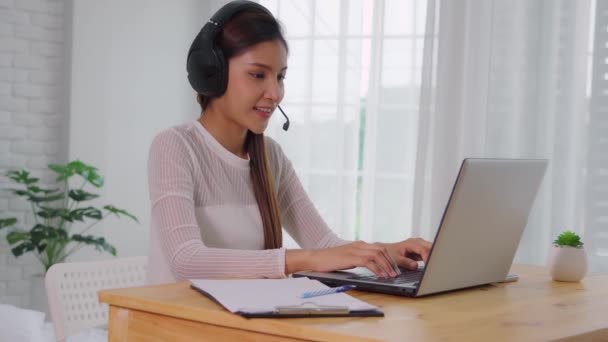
(336, 305)
(302, 311)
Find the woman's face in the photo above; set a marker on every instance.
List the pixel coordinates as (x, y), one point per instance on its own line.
(255, 85)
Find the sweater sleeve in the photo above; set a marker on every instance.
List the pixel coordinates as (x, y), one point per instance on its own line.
(299, 216)
(171, 172)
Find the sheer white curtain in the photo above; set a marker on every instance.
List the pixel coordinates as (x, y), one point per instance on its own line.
(508, 78)
(352, 93)
(386, 97)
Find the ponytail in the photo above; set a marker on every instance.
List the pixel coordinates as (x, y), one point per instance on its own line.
(264, 190)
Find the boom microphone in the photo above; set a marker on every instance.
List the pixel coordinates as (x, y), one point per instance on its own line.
(286, 124)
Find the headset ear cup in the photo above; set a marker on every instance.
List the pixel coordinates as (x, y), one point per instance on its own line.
(205, 72)
(206, 64)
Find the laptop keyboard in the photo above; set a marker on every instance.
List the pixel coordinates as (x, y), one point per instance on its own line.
(406, 276)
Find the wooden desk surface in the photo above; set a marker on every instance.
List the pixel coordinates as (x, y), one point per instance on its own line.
(533, 308)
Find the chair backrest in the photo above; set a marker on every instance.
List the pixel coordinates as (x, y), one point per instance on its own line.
(72, 291)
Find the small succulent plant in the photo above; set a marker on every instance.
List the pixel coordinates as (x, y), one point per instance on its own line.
(568, 239)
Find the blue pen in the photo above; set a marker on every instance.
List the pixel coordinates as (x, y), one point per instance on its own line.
(327, 291)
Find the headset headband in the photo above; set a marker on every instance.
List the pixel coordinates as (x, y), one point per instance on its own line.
(230, 9)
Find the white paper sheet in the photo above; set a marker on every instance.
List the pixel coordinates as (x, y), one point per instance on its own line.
(266, 295)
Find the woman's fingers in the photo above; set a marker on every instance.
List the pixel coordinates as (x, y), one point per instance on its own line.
(372, 266)
(420, 247)
(390, 264)
(426, 245)
(379, 257)
(424, 251)
(407, 263)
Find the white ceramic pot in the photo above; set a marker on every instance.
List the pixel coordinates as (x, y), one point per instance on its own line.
(567, 263)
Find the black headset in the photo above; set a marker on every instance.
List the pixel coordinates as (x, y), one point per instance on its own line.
(207, 66)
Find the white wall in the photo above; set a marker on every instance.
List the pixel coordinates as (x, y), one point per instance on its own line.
(34, 51)
(94, 80)
(128, 82)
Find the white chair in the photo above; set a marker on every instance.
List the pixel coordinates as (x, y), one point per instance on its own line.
(72, 291)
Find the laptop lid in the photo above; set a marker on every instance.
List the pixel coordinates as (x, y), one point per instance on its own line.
(479, 232)
(482, 224)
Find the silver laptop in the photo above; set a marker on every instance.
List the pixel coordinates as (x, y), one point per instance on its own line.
(477, 238)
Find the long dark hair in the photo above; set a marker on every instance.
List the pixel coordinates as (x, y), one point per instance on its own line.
(242, 31)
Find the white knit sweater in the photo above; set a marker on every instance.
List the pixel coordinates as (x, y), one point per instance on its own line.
(205, 219)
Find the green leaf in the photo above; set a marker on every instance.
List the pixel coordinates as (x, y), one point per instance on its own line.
(32, 190)
(66, 215)
(20, 192)
(40, 233)
(93, 178)
(22, 248)
(7, 222)
(17, 176)
(49, 213)
(21, 176)
(99, 243)
(119, 212)
(35, 189)
(89, 173)
(48, 195)
(568, 238)
(78, 166)
(17, 235)
(80, 195)
(90, 212)
(61, 234)
(63, 172)
(40, 248)
(45, 230)
(46, 198)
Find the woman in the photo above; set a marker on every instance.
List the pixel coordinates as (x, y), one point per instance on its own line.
(221, 191)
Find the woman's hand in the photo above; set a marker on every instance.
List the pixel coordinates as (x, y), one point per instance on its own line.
(375, 256)
(371, 255)
(407, 252)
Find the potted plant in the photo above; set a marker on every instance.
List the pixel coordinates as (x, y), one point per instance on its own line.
(57, 211)
(567, 258)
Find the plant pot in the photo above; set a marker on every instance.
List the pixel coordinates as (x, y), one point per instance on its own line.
(567, 263)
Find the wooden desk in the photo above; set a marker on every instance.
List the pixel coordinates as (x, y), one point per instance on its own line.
(534, 308)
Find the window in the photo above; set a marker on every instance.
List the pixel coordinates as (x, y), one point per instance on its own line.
(596, 218)
(352, 93)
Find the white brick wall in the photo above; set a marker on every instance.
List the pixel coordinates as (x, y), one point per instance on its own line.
(34, 38)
